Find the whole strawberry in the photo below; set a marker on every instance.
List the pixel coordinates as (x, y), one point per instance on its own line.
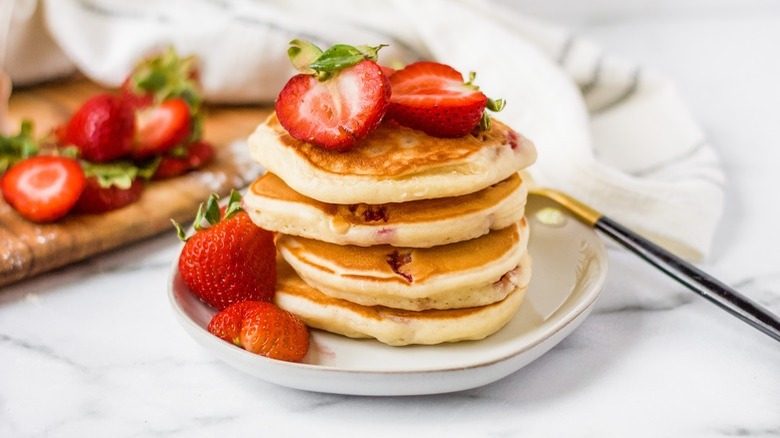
(230, 261)
(262, 328)
(102, 129)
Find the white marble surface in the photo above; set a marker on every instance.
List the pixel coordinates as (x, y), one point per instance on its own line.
(93, 350)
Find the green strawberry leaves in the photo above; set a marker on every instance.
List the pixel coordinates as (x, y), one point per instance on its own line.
(210, 213)
(494, 105)
(17, 147)
(119, 174)
(310, 59)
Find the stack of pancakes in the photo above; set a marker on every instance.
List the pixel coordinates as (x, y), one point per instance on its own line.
(405, 238)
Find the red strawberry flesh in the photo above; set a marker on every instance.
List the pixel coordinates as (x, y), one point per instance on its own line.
(162, 127)
(337, 112)
(433, 98)
(43, 188)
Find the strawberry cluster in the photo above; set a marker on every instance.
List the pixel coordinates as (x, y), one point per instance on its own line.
(100, 160)
(342, 94)
(230, 264)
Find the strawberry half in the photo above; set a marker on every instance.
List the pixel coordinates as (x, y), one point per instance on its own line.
(161, 127)
(341, 96)
(433, 98)
(102, 129)
(262, 328)
(231, 261)
(43, 188)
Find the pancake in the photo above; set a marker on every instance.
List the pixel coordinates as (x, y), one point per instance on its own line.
(391, 326)
(392, 164)
(457, 275)
(274, 206)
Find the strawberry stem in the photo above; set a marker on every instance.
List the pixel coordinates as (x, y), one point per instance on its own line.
(309, 59)
(211, 213)
(18, 147)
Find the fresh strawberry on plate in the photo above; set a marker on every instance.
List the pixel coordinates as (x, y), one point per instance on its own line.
(340, 96)
(230, 260)
(103, 128)
(262, 328)
(433, 98)
(43, 188)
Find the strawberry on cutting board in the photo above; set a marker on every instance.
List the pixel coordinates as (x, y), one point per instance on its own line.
(194, 156)
(103, 128)
(162, 77)
(231, 260)
(433, 98)
(162, 126)
(340, 96)
(43, 188)
(262, 328)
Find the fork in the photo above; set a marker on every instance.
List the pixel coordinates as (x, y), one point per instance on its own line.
(687, 274)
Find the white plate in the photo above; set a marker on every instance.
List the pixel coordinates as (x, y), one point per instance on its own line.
(569, 270)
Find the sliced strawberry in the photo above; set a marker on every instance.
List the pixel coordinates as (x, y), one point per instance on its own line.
(197, 155)
(98, 199)
(433, 98)
(341, 102)
(103, 128)
(161, 127)
(43, 188)
(388, 71)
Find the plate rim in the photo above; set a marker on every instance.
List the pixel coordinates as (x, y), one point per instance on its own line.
(556, 325)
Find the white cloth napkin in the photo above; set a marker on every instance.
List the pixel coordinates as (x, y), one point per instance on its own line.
(612, 134)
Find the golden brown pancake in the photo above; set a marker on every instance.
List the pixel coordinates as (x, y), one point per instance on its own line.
(450, 276)
(274, 206)
(392, 164)
(388, 325)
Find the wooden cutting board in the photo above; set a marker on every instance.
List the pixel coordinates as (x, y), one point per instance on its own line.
(27, 248)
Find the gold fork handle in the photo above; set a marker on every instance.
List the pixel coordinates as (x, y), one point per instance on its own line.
(695, 279)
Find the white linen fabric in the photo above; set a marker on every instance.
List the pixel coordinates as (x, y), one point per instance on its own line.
(610, 133)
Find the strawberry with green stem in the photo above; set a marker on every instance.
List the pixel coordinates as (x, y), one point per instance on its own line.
(229, 259)
(340, 96)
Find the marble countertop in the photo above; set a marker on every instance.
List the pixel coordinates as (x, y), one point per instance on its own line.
(94, 350)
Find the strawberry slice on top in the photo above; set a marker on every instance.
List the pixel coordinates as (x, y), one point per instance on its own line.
(433, 98)
(340, 96)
